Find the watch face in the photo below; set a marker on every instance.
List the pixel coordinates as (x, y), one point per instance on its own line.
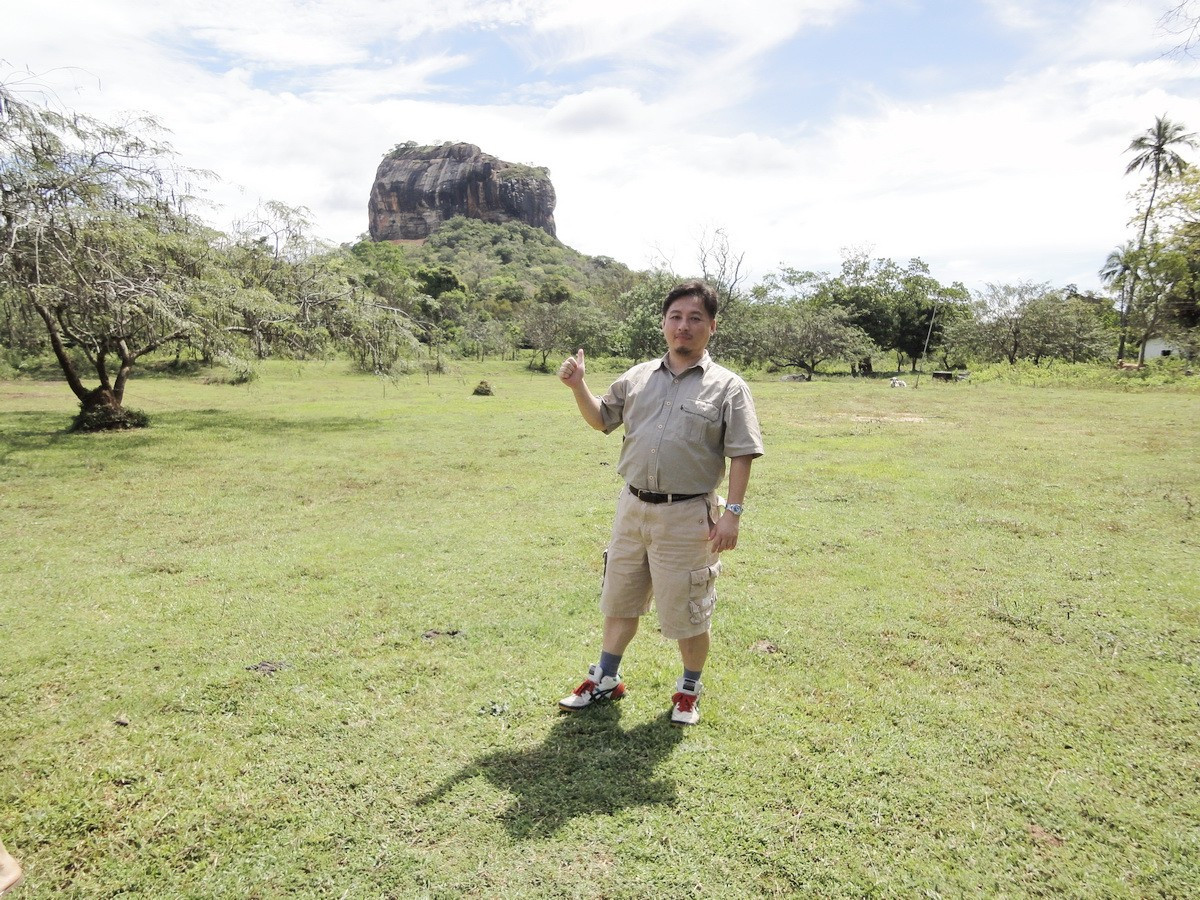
(735, 508)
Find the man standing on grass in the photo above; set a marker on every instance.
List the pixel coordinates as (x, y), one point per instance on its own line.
(683, 415)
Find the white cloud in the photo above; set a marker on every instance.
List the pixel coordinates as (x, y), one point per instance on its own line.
(599, 110)
(1021, 179)
(1122, 29)
(666, 33)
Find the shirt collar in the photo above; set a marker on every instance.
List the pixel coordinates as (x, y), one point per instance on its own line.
(703, 363)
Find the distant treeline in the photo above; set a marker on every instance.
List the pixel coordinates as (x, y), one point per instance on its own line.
(103, 261)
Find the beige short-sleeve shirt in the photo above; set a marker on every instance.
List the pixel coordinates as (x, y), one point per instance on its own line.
(679, 429)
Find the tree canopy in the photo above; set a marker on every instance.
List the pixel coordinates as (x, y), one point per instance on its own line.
(99, 242)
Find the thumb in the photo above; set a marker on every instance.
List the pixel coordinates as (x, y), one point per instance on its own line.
(579, 356)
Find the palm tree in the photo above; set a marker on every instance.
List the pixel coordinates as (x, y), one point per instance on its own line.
(1120, 271)
(1155, 150)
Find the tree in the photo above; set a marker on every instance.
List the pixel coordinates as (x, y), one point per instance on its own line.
(901, 308)
(376, 333)
(1180, 213)
(1117, 274)
(638, 332)
(1028, 321)
(546, 328)
(720, 264)
(921, 309)
(805, 334)
(868, 288)
(1063, 327)
(1155, 150)
(97, 241)
(1001, 318)
(1183, 21)
(1167, 276)
(481, 335)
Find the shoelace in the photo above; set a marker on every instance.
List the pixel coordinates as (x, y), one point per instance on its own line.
(685, 702)
(586, 688)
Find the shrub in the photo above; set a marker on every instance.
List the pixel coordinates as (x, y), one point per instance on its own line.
(109, 418)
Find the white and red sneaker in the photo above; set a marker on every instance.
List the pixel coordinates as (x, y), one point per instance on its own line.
(596, 688)
(686, 702)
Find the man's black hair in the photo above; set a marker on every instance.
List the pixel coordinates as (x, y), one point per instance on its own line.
(698, 289)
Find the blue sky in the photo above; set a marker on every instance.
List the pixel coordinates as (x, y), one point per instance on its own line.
(985, 137)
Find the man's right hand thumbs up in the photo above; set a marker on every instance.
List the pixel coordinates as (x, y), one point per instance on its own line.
(571, 371)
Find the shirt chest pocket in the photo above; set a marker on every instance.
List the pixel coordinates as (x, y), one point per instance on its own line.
(700, 419)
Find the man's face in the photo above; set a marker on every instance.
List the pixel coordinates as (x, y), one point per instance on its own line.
(687, 326)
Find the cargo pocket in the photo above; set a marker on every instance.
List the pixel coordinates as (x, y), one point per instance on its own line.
(703, 596)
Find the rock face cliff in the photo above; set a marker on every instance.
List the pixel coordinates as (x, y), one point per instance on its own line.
(417, 188)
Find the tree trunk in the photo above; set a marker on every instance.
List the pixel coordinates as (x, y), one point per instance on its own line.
(60, 352)
(1126, 302)
(100, 398)
(1133, 279)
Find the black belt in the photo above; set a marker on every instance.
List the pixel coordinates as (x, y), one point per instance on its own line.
(650, 497)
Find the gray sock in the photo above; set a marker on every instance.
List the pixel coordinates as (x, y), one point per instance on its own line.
(692, 676)
(610, 663)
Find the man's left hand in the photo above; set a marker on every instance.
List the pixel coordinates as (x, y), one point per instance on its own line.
(724, 533)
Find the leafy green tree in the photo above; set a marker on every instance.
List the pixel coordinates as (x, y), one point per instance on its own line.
(1180, 319)
(1030, 321)
(868, 289)
(433, 281)
(97, 241)
(921, 308)
(638, 333)
(1063, 327)
(296, 295)
(1000, 320)
(588, 327)
(554, 289)
(502, 294)
(375, 333)
(481, 336)
(1167, 277)
(546, 328)
(902, 309)
(805, 334)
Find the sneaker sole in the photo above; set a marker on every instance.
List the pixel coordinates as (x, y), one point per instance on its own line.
(612, 698)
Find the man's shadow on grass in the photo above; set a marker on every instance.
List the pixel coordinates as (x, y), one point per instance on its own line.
(586, 766)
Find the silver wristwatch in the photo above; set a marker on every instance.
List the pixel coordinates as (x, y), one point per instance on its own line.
(736, 508)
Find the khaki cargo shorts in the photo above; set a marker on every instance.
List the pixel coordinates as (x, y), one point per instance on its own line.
(662, 551)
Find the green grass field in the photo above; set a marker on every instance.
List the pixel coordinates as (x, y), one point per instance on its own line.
(304, 637)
